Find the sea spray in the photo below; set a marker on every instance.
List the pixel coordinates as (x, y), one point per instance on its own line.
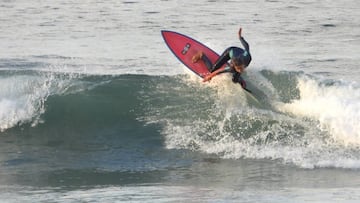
(333, 105)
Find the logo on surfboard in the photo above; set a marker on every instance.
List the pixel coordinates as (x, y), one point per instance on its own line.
(186, 49)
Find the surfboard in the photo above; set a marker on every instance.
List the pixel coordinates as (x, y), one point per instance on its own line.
(184, 48)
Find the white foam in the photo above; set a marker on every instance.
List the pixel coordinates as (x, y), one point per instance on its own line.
(335, 107)
(322, 135)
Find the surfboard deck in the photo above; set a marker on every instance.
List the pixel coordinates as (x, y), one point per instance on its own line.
(184, 48)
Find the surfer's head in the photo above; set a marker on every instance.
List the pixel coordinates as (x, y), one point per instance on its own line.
(238, 63)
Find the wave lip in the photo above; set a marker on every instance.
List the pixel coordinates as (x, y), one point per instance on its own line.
(22, 100)
(23, 95)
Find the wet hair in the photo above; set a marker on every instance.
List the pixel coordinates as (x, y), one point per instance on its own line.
(237, 61)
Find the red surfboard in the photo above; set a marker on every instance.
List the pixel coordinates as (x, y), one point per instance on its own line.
(184, 48)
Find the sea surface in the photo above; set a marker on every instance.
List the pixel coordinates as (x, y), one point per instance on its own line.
(95, 108)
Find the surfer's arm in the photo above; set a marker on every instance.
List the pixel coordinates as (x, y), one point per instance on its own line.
(242, 82)
(245, 44)
(243, 41)
(219, 71)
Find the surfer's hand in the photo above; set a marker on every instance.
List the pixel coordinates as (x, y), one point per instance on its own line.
(243, 84)
(207, 78)
(240, 32)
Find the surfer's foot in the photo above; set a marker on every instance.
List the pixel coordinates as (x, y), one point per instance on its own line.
(197, 57)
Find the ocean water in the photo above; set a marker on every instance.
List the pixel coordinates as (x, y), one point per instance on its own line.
(95, 108)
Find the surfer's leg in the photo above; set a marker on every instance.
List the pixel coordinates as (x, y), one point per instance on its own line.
(221, 60)
(207, 62)
(203, 57)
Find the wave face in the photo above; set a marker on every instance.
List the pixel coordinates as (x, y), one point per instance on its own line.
(299, 119)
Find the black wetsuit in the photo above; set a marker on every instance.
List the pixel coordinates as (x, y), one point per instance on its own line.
(230, 53)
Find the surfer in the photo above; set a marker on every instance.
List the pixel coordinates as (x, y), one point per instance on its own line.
(240, 59)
